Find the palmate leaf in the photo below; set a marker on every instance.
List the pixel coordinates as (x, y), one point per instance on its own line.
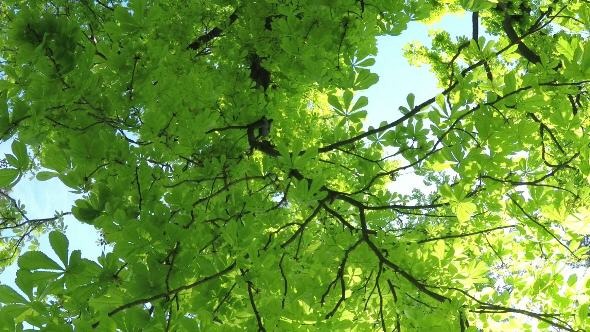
(362, 102)
(59, 243)
(464, 211)
(84, 211)
(34, 283)
(220, 150)
(37, 260)
(54, 158)
(9, 295)
(20, 151)
(7, 176)
(365, 79)
(335, 102)
(12, 161)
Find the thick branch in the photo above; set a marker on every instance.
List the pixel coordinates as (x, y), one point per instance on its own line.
(456, 236)
(523, 49)
(212, 34)
(169, 293)
(339, 278)
(410, 278)
(253, 304)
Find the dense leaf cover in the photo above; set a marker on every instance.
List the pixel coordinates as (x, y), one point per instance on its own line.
(220, 150)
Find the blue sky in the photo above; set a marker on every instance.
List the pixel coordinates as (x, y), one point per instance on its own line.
(41, 200)
(397, 80)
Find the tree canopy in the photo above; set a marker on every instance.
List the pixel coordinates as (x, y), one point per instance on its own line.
(220, 151)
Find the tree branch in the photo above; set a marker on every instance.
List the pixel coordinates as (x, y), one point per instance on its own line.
(167, 294)
(212, 34)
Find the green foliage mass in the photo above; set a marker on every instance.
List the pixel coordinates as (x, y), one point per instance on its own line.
(219, 149)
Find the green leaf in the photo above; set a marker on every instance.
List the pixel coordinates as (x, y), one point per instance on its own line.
(464, 211)
(585, 64)
(12, 161)
(583, 312)
(410, 99)
(4, 115)
(33, 260)
(59, 242)
(365, 79)
(85, 213)
(335, 102)
(441, 166)
(55, 159)
(565, 48)
(19, 111)
(188, 324)
(7, 177)
(45, 175)
(357, 117)
(11, 312)
(24, 282)
(146, 111)
(572, 280)
(20, 151)
(363, 101)
(478, 5)
(368, 62)
(71, 179)
(347, 98)
(9, 295)
(43, 279)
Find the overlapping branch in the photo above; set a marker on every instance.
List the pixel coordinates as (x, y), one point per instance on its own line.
(206, 38)
(169, 293)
